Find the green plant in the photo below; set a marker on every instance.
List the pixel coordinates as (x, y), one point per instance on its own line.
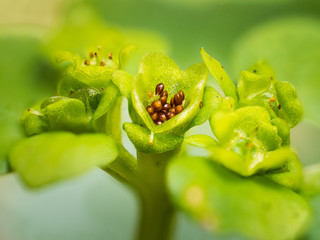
(250, 183)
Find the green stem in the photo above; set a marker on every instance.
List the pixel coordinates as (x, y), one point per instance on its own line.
(157, 217)
(124, 168)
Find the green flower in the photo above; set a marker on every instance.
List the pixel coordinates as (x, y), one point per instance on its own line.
(252, 125)
(156, 68)
(258, 86)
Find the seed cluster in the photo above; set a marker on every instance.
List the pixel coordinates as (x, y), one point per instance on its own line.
(161, 111)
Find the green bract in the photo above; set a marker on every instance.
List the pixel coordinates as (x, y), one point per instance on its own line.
(85, 72)
(220, 75)
(157, 68)
(258, 86)
(48, 157)
(251, 131)
(224, 202)
(158, 143)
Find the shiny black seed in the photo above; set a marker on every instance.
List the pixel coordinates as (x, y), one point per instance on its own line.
(159, 88)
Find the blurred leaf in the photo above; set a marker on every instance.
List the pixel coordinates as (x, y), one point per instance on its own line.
(291, 46)
(157, 68)
(290, 173)
(311, 184)
(33, 122)
(123, 80)
(22, 84)
(220, 75)
(201, 140)
(124, 54)
(49, 157)
(83, 30)
(224, 202)
(148, 142)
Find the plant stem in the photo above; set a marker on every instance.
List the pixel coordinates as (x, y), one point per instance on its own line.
(157, 214)
(124, 168)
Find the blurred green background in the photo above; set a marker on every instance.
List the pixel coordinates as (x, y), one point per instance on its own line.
(238, 33)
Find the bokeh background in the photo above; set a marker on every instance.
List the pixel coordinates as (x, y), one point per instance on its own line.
(94, 206)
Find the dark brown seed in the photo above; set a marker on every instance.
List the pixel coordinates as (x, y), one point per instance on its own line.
(96, 54)
(166, 106)
(177, 99)
(279, 106)
(91, 55)
(172, 102)
(150, 109)
(165, 93)
(181, 94)
(157, 104)
(87, 62)
(157, 122)
(173, 110)
(102, 64)
(163, 99)
(201, 104)
(162, 117)
(167, 114)
(159, 88)
(29, 109)
(171, 115)
(110, 55)
(179, 109)
(154, 116)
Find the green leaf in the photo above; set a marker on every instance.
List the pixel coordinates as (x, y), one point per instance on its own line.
(64, 56)
(283, 130)
(157, 68)
(252, 85)
(290, 173)
(79, 77)
(67, 114)
(201, 140)
(311, 184)
(110, 95)
(262, 67)
(211, 102)
(89, 96)
(123, 80)
(220, 75)
(291, 109)
(50, 157)
(33, 121)
(124, 54)
(148, 142)
(224, 202)
(252, 123)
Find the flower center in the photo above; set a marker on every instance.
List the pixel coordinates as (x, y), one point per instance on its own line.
(161, 111)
